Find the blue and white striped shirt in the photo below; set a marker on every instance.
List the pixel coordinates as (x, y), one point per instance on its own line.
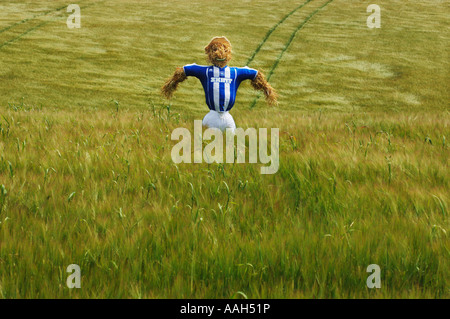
(220, 84)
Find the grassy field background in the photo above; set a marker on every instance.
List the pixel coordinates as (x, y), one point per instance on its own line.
(86, 175)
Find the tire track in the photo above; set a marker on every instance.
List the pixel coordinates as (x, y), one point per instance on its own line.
(271, 30)
(32, 18)
(42, 24)
(23, 34)
(288, 43)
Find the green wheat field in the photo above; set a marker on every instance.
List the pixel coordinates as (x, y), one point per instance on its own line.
(86, 175)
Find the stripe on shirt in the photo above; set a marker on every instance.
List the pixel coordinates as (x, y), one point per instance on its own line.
(207, 86)
(216, 90)
(227, 89)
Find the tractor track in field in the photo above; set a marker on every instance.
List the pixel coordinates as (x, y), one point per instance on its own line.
(288, 43)
(23, 34)
(271, 30)
(32, 18)
(39, 25)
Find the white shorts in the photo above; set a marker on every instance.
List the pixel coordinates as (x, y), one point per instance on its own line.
(220, 120)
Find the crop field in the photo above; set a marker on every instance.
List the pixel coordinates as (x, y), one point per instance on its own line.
(87, 178)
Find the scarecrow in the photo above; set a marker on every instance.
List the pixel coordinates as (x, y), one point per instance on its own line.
(220, 83)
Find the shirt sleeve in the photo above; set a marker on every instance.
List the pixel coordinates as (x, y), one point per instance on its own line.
(247, 73)
(194, 70)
